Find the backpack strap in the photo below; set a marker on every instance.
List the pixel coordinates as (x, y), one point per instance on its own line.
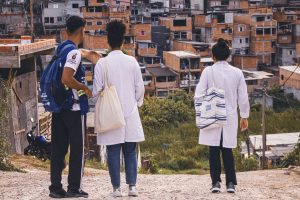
(60, 52)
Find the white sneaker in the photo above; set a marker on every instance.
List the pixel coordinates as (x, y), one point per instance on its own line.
(133, 191)
(117, 193)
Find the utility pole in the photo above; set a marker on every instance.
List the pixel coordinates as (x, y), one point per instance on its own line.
(263, 125)
(31, 17)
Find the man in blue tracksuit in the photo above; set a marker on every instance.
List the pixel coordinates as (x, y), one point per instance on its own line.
(68, 127)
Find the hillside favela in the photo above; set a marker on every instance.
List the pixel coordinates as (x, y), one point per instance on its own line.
(150, 99)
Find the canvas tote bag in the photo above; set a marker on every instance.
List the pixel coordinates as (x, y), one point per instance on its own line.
(108, 111)
(211, 109)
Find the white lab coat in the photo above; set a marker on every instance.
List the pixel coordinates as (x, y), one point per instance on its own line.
(230, 79)
(125, 74)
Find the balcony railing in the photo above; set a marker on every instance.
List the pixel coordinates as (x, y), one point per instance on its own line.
(186, 83)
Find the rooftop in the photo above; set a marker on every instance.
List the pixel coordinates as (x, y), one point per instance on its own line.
(291, 68)
(183, 54)
(254, 75)
(161, 71)
(278, 139)
(12, 51)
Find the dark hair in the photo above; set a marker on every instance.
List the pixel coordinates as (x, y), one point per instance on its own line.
(74, 23)
(221, 50)
(115, 33)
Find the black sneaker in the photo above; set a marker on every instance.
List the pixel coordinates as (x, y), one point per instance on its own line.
(77, 194)
(58, 194)
(230, 187)
(216, 188)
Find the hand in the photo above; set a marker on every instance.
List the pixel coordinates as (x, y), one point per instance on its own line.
(83, 52)
(88, 92)
(244, 124)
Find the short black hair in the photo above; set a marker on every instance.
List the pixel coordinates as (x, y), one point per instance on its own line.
(115, 33)
(221, 50)
(74, 23)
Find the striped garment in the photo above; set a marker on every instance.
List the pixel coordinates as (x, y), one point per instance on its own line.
(211, 109)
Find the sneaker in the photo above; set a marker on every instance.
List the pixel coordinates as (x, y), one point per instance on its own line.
(77, 194)
(133, 191)
(117, 193)
(216, 188)
(230, 187)
(58, 194)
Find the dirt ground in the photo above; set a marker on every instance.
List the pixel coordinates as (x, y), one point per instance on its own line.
(269, 184)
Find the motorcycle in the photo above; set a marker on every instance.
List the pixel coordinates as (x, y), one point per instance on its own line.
(38, 146)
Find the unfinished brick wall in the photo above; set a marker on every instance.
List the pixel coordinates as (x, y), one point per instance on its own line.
(294, 80)
(245, 62)
(141, 31)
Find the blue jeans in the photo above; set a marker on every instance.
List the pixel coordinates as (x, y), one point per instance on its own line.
(113, 154)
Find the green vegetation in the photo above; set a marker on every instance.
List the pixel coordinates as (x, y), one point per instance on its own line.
(5, 164)
(172, 136)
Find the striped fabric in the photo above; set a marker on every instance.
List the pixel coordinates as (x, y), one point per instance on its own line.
(211, 109)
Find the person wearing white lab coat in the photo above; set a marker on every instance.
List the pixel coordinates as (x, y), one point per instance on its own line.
(124, 73)
(230, 79)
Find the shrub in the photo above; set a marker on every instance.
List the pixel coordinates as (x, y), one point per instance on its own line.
(249, 164)
(185, 163)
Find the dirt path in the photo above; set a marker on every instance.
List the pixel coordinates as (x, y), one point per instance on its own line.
(261, 185)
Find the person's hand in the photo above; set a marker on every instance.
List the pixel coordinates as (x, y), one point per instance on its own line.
(83, 52)
(244, 124)
(88, 92)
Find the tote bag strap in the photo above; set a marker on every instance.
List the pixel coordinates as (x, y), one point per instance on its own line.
(213, 76)
(105, 73)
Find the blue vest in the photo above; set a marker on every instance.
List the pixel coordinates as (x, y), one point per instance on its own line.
(80, 77)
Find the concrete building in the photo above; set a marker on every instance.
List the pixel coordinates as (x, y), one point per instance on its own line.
(278, 147)
(187, 65)
(54, 17)
(290, 77)
(13, 18)
(163, 81)
(180, 27)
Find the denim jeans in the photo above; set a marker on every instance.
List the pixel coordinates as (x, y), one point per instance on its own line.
(113, 153)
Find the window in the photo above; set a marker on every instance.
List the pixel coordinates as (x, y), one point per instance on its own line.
(259, 31)
(99, 23)
(290, 17)
(161, 79)
(225, 2)
(89, 23)
(51, 20)
(177, 35)
(179, 22)
(171, 78)
(273, 31)
(247, 40)
(241, 29)
(291, 52)
(226, 30)
(269, 17)
(183, 35)
(46, 19)
(162, 93)
(221, 19)
(75, 5)
(260, 19)
(282, 77)
(55, 5)
(100, 1)
(59, 19)
(267, 31)
(251, 82)
(241, 41)
(98, 9)
(142, 32)
(284, 37)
